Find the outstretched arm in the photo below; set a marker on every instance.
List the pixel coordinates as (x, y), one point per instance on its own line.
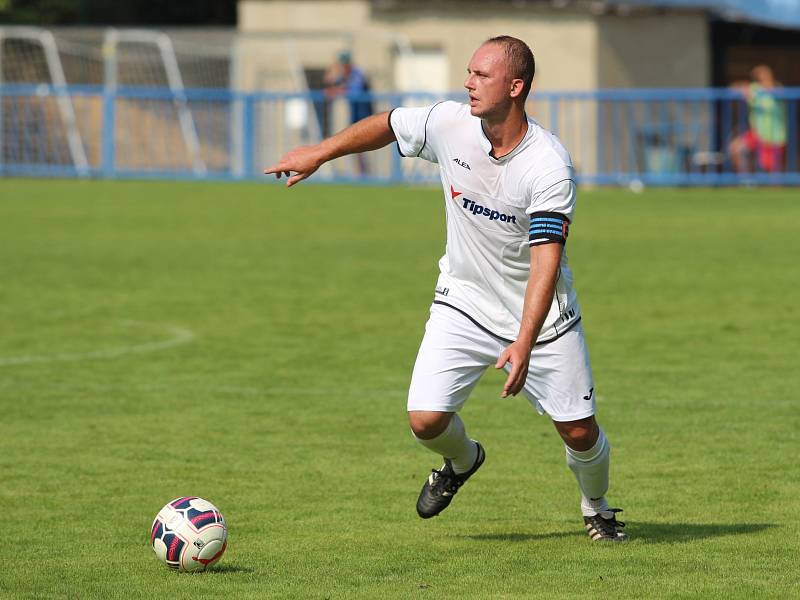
(367, 134)
(545, 261)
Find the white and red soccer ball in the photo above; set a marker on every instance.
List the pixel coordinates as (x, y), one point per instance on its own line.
(189, 534)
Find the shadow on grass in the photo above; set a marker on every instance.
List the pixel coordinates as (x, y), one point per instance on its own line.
(523, 537)
(644, 531)
(228, 568)
(688, 532)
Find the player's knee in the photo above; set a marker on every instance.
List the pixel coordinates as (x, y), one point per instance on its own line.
(579, 435)
(426, 425)
(577, 438)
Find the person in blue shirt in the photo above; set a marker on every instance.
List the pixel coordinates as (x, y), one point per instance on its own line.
(345, 79)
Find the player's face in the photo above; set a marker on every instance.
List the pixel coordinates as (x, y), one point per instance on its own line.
(487, 82)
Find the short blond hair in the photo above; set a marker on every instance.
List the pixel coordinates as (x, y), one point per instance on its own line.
(520, 59)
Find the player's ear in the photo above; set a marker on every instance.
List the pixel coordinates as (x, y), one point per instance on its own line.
(515, 89)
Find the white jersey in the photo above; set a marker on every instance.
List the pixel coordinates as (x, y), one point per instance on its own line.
(491, 204)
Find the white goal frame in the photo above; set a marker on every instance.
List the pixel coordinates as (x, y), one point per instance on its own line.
(58, 81)
(111, 41)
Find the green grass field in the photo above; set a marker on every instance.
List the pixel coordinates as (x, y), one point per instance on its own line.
(252, 345)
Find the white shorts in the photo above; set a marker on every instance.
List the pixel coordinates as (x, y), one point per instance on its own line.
(455, 352)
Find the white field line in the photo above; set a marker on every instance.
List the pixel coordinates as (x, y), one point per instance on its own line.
(178, 336)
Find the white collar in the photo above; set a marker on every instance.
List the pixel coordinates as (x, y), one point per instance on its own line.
(486, 145)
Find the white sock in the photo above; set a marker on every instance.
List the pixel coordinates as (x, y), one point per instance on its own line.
(454, 444)
(591, 471)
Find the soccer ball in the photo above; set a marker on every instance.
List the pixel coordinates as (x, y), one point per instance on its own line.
(189, 534)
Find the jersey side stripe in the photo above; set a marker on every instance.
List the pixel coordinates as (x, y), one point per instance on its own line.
(425, 134)
(553, 185)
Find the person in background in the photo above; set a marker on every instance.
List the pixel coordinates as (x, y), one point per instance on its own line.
(765, 138)
(345, 79)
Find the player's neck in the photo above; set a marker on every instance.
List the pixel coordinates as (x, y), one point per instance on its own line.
(505, 134)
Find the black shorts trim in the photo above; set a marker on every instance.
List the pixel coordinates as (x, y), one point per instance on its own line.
(501, 338)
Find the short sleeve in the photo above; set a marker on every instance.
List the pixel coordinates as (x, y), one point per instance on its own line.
(551, 213)
(554, 192)
(410, 127)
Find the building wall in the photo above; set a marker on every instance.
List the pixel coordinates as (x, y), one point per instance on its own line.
(653, 50)
(563, 42)
(575, 48)
(289, 15)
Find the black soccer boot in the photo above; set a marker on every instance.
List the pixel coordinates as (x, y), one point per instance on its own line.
(442, 485)
(604, 527)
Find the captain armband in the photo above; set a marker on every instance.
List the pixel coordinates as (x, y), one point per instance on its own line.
(548, 227)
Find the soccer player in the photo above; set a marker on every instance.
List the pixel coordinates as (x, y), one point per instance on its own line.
(504, 295)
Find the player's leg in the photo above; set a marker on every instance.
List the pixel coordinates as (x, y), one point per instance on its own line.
(560, 383)
(444, 433)
(588, 456)
(452, 357)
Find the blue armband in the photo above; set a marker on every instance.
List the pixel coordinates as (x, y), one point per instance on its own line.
(548, 227)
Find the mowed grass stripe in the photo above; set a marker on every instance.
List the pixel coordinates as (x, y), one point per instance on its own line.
(287, 409)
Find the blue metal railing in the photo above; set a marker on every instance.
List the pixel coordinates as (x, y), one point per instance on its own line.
(615, 137)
